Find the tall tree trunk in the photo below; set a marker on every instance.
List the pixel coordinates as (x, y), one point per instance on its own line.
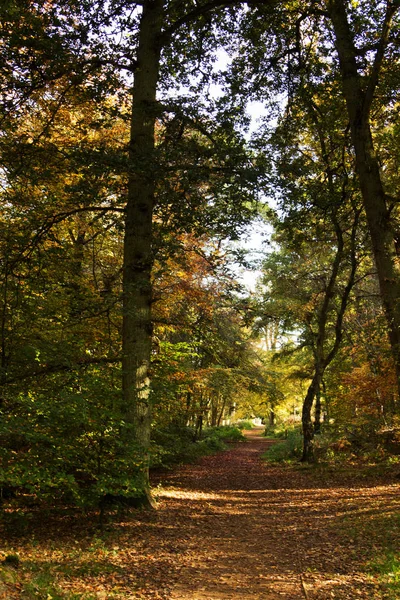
(138, 260)
(199, 428)
(214, 410)
(271, 416)
(359, 96)
(322, 356)
(3, 325)
(319, 361)
(188, 411)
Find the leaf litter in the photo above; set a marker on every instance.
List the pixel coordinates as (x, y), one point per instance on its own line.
(228, 527)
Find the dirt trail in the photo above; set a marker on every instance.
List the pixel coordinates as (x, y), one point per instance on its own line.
(244, 530)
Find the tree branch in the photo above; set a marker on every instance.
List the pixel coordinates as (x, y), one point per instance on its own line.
(53, 369)
(391, 9)
(204, 10)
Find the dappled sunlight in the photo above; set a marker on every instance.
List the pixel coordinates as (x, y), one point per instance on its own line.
(272, 533)
(186, 494)
(227, 528)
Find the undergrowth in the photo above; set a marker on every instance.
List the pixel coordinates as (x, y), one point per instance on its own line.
(35, 583)
(337, 449)
(246, 425)
(286, 450)
(176, 445)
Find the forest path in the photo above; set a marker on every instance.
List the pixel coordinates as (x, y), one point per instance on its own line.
(245, 530)
(229, 527)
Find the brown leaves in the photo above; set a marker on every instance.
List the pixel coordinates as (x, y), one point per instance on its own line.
(228, 527)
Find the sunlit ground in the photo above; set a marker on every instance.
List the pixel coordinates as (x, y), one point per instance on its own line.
(227, 528)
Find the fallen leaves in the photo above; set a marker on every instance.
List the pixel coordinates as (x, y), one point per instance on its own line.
(228, 527)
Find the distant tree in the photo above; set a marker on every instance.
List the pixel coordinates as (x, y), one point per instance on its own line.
(311, 277)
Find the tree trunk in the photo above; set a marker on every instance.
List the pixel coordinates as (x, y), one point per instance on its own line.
(221, 412)
(320, 363)
(358, 100)
(199, 428)
(214, 410)
(308, 428)
(323, 359)
(138, 260)
(271, 416)
(318, 411)
(3, 326)
(187, 416)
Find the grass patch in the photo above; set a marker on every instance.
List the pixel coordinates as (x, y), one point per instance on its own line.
(375, 532)
(34, 582)
(70, 568)
(387, 569)
(42, 586)
(385, 564)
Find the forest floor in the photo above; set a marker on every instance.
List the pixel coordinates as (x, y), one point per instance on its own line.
(229, 527)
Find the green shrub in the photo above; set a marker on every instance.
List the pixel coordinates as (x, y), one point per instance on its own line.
(227, 433)
(215, 438)
(209, 445)
(289, 449)
(276, 431)
(172, 445)
(246, 425)
(177, 444)
(66, 443)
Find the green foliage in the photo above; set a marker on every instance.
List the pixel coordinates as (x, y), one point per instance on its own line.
(72, 448)
(172, 445)
(226, 433)
(64, 180)
(387, 568)
(178, 444)
(287, 450)
(279, 431)
(246, 425)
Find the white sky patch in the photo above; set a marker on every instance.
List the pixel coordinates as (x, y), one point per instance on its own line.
(257, 112)
(223, 60)
(255, 241)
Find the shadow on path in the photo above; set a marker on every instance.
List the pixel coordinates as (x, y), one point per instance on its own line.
(248, 530)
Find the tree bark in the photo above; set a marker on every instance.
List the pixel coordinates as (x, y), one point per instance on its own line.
(307, 425)
(138, 259)
(221, 412)
(318, 411)
(320, 362)
(358, 98)
(271, 416)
